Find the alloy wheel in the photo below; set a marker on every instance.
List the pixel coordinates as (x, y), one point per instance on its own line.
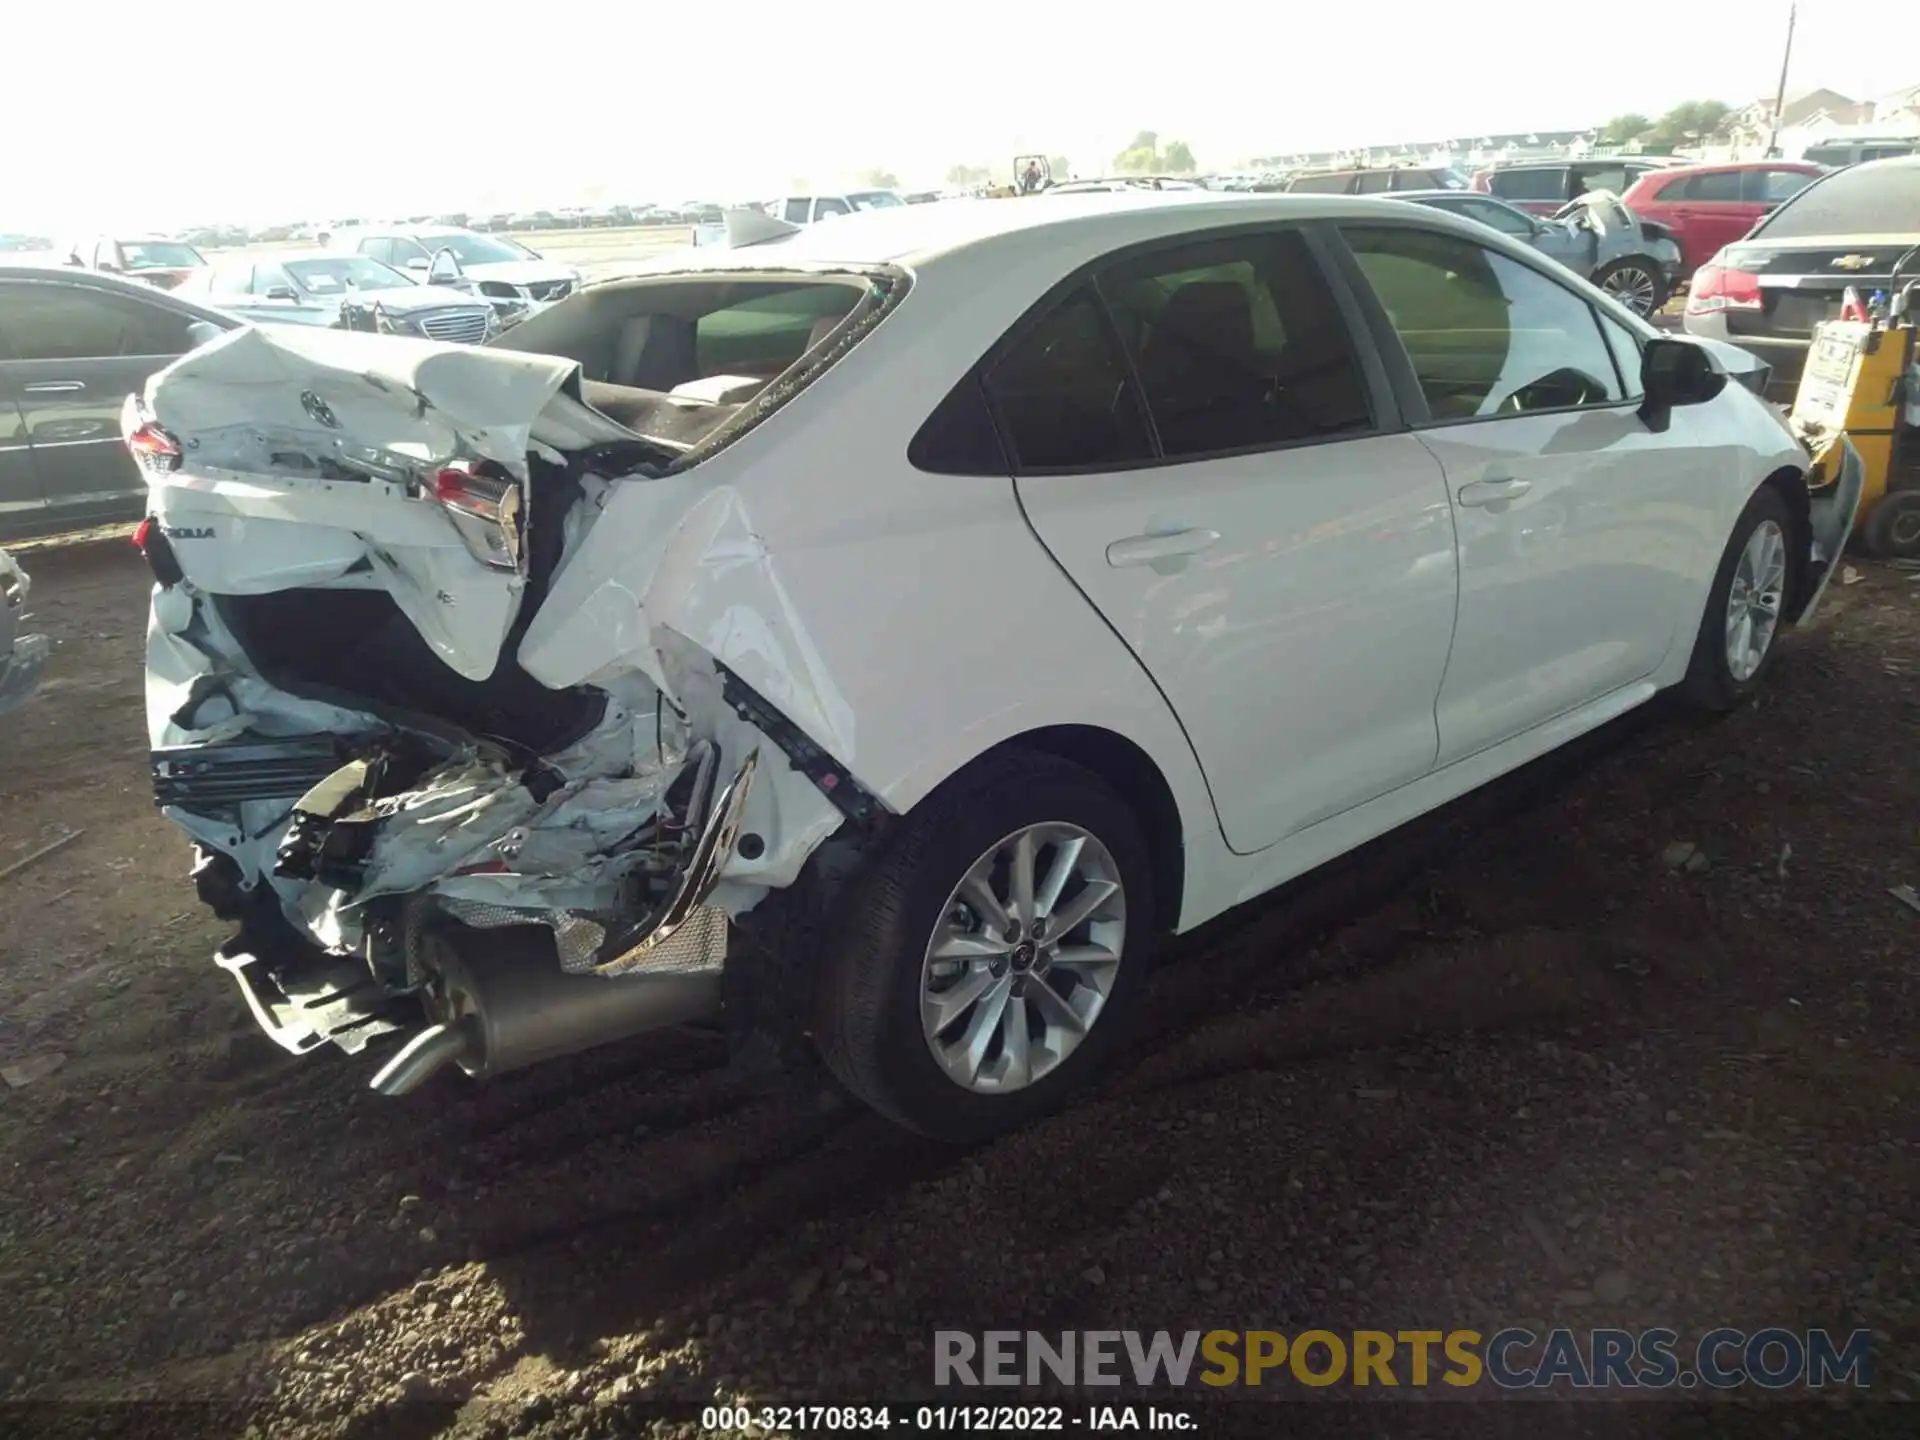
(1633, 287)
(1754, 599)
(1024, 956)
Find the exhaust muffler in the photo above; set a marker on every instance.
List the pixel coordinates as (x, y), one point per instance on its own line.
(508, 1005)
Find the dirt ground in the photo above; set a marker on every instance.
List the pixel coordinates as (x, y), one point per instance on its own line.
(1520, 1066)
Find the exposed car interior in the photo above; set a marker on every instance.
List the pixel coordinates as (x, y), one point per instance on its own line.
(674, 359)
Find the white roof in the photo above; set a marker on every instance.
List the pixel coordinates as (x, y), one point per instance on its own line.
(923, 235)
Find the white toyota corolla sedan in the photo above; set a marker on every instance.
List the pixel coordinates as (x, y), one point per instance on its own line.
(879, 638)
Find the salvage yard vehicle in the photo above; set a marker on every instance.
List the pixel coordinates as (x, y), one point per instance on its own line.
(516, 281)
(350, 292)
(22, 657)
(72, 344)
(1708, 206)
(1768, 291)
(1597, 238)
(1541, 187)
(152, 259)
(878, 640)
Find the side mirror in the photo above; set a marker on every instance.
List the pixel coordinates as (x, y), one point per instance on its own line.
(201, 332)
(1674, 372)
(282, 292)
(419, 262)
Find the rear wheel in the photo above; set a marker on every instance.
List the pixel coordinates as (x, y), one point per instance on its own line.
(1746, 606)
(1892, 531)
(1635, 283)
(994, 953)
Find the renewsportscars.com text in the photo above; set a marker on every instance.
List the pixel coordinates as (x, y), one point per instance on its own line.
(1509, 1359)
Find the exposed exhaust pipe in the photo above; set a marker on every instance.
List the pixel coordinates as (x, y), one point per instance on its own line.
(509, 1005)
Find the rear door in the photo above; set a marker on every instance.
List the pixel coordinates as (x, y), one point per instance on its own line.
(1207, 453)
(78, 352)
(1707, 212)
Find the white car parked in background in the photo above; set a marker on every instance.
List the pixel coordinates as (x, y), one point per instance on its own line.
(884, 637)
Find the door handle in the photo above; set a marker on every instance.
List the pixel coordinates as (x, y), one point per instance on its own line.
(54, 387)
(1493, 492)
(1147, 549)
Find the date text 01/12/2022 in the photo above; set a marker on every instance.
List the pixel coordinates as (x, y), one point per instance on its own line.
(937, 1419)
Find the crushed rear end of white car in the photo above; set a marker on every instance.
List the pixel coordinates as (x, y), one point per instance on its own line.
(380, 698)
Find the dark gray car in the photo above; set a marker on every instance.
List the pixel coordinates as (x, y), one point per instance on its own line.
(348, 292)
(73, 345)
(1601, 241)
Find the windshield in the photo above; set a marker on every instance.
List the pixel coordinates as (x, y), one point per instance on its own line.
(1866, 200)
(473, 249)
(334, 273)
(873, 199)
(159, 255)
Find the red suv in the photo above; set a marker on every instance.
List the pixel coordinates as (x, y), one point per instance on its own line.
(1708, 206)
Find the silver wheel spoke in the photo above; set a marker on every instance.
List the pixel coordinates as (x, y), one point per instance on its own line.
(1084, 957)
(970, 1053)
(959, 945)
(1066, 855)
(1018, 1069)
(952, 1002)
(1021, 901)
(1000, 1007)
(976, 892)
(1082, 907)
(1054, 1010)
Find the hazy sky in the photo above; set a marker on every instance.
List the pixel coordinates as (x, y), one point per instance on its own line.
(117, 113)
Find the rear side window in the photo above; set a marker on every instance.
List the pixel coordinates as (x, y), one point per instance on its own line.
(1548, 183)
(1063, 394)
(1603, 177)
(798, 210)
(1882, 199)
(1500, 217)
(1714, 186)
(68, 322)
(1237, 343)
(1374, 182)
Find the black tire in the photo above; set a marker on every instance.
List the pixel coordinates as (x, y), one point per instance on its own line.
(1710, 684)
(867, 1021)
(1892, 529)
(1609, 276)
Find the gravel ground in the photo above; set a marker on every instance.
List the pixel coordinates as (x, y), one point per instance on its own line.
(1531, 1063)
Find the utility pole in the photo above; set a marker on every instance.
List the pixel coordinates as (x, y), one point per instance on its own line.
(1780, 95)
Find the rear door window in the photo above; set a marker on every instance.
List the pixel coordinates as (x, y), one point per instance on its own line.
(1064, 397)
(1716, 186)
(71, 322)
(798, 208)
(1237, 344)
(1503, 218)
(1336, 184)
(1486, 335)
(1373, 182)
(1547, 182)
(1614, 177)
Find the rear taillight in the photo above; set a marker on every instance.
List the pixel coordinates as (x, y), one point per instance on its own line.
(1720, 287)
(153, 449)
(142, 533)
(484, 504)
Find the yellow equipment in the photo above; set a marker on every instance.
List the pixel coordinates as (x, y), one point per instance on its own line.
(1862, 378)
